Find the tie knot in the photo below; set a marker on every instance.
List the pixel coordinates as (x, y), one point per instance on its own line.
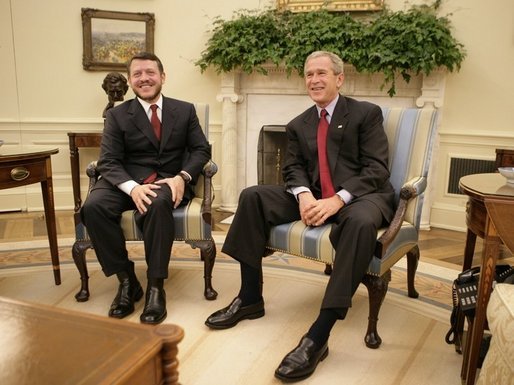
(153, 107)
(323, 113)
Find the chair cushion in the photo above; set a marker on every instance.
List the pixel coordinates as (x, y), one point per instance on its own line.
(189, 224)
(313, 243)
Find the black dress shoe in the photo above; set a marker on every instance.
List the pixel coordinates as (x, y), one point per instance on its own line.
(301, 362)
(155, 306)
(233, 313)
(129, 292)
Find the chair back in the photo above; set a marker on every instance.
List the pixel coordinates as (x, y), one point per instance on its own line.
(202, 111)
(411, 133)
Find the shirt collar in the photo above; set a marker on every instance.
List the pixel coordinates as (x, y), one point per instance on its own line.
(146, 105)
(330, 107)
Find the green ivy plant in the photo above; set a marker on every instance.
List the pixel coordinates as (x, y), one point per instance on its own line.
(403, 42)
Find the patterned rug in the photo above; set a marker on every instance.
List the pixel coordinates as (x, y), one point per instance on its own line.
(433, 282)
(413, 349)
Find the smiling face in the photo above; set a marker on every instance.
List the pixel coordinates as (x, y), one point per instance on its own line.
(146, 79)
(322, 82)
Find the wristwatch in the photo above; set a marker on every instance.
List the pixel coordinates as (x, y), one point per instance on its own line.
(184, 176)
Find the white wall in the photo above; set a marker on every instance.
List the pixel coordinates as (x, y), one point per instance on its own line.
(46, 93)
(478, 114)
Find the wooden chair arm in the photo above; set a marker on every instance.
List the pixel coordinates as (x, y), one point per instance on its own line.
(409, 191)
(93, 174)
(209, 170)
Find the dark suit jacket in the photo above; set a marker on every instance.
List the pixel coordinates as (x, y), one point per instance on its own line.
(357, 149)
(130, 149)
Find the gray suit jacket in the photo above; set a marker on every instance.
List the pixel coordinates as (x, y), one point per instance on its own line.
(357, 149)
(130, 149)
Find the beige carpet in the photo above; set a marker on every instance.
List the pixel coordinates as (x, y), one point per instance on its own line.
(413, 349)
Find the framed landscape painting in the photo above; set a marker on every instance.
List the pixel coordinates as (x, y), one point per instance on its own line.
(111, 38)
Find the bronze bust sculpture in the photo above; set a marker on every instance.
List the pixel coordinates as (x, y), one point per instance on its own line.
(115, 86)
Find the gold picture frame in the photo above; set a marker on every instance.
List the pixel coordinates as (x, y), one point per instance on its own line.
(110, 38)
(330, 5)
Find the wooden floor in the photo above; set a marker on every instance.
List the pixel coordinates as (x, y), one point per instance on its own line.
(439, 246)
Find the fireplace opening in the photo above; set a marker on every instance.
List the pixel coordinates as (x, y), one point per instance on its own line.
(271, 151)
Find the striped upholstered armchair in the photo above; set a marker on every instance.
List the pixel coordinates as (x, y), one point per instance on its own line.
(192, 222)
(411, 133)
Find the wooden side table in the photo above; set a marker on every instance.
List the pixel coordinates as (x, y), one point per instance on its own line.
(20, 166)
(76, 140)
(482, 189)
(47, 345)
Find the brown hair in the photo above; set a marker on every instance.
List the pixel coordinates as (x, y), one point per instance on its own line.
(145, 56)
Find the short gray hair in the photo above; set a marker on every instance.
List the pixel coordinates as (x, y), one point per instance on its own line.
(337, 62)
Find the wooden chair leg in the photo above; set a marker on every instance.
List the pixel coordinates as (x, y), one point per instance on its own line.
(208, 256)
(377, 289)
(78, 252)
(412, 266)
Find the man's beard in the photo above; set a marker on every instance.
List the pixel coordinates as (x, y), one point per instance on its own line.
(149, 98)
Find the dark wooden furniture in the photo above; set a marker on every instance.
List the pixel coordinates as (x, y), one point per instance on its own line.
(76, 140)
(47, 345)
(21, 166)
(483, 191)
(271, 152)
(504, 158)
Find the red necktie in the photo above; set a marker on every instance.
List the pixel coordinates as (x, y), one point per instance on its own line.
(156, 124)
(327, 188)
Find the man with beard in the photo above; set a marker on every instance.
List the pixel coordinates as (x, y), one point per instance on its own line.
(152, 148)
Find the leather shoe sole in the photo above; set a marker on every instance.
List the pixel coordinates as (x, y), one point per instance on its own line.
(233, 313)
(301, 362)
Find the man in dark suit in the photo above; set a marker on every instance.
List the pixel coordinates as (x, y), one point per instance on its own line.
(152, 148)
(352, 192)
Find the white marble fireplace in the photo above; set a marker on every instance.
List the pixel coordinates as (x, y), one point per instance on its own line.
(252, 101)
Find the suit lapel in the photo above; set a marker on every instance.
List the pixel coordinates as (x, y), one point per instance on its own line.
(168, 111)
(141, 121)
(338, 123)
(310, 130)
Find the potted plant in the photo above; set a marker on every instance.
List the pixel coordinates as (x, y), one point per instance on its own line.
(403, 42)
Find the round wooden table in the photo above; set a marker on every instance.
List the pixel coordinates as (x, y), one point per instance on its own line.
(488, 215)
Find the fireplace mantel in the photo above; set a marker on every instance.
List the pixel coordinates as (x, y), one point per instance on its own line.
(251, 101)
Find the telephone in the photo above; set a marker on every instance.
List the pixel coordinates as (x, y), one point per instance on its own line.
(466, 286)
(464, 292)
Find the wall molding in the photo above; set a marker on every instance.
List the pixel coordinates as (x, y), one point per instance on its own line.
(54, 133)
(448, 210)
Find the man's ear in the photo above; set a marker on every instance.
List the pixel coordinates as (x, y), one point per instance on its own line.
(340, 80)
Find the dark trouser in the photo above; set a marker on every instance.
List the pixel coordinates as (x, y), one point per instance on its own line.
(353, 235)
(101, 213)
